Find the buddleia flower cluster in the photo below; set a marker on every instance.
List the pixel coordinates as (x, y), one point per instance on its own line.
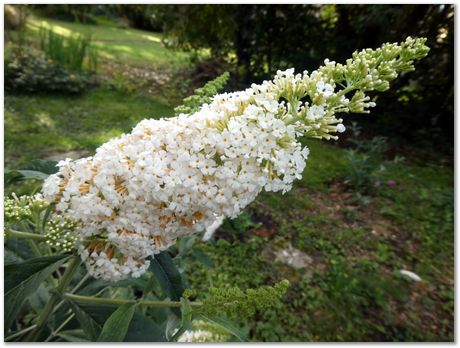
(174, 177)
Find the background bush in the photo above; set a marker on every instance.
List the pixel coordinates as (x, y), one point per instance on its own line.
(30, 71)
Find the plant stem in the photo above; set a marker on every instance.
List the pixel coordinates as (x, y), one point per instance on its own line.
(24, 235)
(63, 282)
(344, 91)
(55, 332)
(119, 301)
(31, 238)
(19, 333)
(80, 283)
(72, 291)
(34, 247)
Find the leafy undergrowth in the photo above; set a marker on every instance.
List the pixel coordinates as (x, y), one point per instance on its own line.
(352, 289)
(40, 126)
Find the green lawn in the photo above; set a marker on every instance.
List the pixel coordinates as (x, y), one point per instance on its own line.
(130, 46)
(39, 126)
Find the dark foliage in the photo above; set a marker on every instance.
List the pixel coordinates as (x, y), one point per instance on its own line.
(72, 13)
(139, 16)
(265, 38)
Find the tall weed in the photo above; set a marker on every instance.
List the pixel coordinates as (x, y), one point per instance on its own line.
(72, 52)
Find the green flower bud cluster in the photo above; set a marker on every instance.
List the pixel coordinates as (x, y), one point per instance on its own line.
(202, 95)
(370, 70)
(18, 209)
(61, 234)
(235, 302)
(313, 100)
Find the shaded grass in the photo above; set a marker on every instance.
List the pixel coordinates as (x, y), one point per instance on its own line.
(38, 126)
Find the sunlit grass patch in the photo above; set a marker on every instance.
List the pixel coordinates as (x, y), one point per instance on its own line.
(131, 46)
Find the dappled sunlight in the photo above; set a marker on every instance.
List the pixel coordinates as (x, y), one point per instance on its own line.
(122, 48)
(95, 139)
(114, 43)
(106, 55)
(152, 38)
(44, 119)
(36, 25)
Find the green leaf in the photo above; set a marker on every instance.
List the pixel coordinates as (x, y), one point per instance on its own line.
(32, 174)
(227, 325)
(39, 298)
(116, 326)
(204, 258)
(171, 324)
(22, 279)
(186, 318)
(75, 335)
(90, 326)
(46, 215)
(141, 328)
(186, 313)
(43, 166)
(167, 274)
(35, 169)
(10, 256)
(93, 286)
(96, 312)
(150, 286)
(11, 177)
(185, 243)
(18, 249)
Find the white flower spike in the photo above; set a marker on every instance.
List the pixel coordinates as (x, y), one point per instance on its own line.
(177, 176)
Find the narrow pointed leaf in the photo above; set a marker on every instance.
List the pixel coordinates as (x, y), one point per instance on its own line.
(75, 335)
(144, 329)
(33, 174)
(22, 279)
(116, 326)
(204, 258)
(186, 318)
(44, 166)
(141, 328)
(167, 274)
(228, 326)
(91, 327)
(150, 286)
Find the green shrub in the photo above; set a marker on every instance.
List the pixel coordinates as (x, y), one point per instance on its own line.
(31, 72)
